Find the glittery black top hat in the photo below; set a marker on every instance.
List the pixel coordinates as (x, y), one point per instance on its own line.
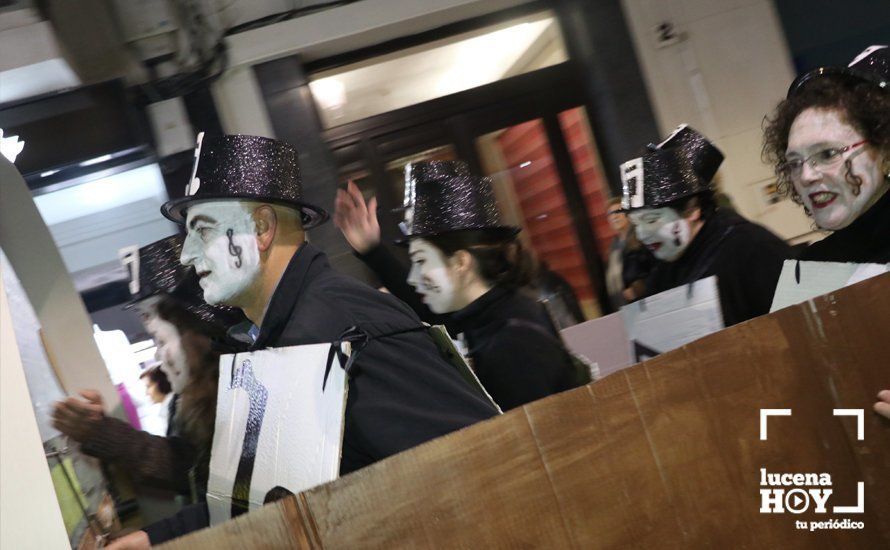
(680, 166)
(872, 65)
(245, 168)
(701, 153)
(443, 196)
(155, 270)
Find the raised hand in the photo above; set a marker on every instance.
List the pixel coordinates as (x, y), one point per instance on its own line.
(357, 220)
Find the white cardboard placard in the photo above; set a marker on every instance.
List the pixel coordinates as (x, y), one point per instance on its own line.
(818, 278)
(271, 407)
(672, 318)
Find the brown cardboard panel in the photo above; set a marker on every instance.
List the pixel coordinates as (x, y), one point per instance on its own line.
(453, 489)
(274, 526)
(664, 454)
(595, 453)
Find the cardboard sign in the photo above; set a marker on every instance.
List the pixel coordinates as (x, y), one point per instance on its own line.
(672, 318)
(279, 425)
(603, 342)
(671, 454)
(802, 281)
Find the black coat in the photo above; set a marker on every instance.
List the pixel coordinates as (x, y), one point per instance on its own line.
(402, 392)
(746, 258)
(866, 240)
(515, 351)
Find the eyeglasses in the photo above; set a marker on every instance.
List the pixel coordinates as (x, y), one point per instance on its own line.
(825, 158)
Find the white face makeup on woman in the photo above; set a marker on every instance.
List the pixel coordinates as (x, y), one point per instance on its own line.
(170, 353)
(820, 145)
(663, 231)
(221, 245)
(432, 277)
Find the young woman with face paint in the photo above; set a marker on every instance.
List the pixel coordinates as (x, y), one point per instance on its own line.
(470, 279)
(179, 461)
(830, 144)
(671, 202)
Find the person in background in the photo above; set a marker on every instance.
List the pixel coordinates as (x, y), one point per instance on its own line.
(557, 296)
(829, 142)
(157, 388)
(467, 266)
(672, 205)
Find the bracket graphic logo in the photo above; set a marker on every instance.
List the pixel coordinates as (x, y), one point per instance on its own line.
(797, 493)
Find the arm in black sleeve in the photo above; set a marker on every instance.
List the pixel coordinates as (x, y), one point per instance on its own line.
(522, 365)
(160, 462)
(190, 518)
(394, 275)
(403, 394)
(762, 267)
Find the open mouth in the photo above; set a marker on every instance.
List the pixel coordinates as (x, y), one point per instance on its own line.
(202, 274)
(653, 246)
(822, 199)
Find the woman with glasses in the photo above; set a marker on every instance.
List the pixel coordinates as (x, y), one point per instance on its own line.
(830, 142)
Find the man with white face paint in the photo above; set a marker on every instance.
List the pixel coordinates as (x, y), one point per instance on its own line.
(245, 218)
(669, 199)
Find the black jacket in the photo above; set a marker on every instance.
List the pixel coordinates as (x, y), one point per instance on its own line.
(514, 348)
(746, 258)
(866, 240)
(402, 392)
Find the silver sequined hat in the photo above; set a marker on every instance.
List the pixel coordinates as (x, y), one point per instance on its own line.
(442, 196)
(245, 168)
(155, 270)
(680, 166)
(872, 65)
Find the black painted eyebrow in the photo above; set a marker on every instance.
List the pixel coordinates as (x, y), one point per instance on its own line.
(200, 218)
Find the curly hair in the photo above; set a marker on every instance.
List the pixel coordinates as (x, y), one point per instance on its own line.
(861, 104)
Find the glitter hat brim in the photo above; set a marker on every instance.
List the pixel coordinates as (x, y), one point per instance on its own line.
(663, 203)
(502, 231)
(312, 216)
(844, 73)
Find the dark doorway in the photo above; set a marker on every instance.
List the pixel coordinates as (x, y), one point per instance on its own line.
(530, 134)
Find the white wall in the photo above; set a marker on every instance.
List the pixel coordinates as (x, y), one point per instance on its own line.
(67, 330)
(324, 34)
(732, 68)
(29, 511)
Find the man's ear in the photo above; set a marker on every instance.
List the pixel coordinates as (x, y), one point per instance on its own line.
(266, 226)
(693, 214)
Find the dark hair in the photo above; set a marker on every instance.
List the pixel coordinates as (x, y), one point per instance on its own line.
(500, 258)
(196, 412)
(705, 201)
(157, 377)
(862, 105)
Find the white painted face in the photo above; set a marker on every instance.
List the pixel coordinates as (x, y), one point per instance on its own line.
(825, 191)
(170, 353)
(221, 245)
(663, 231)
(432, 277)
